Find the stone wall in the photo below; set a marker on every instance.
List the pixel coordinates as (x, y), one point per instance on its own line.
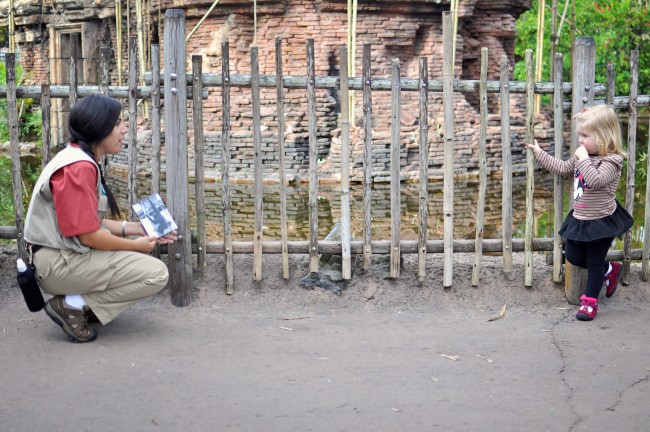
(403, 29)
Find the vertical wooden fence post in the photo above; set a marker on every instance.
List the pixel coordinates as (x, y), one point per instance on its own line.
(279, 87)
(482, 186)
(558, 198)
(584, 73)
(611, 84)
(225, 168)
(199, 150)
(530, 171)
(133, 126)
(14, 141)
(180, 253)
(313, 159)
(155, 125)
(46, 121)
(506, 162)
(423, 203)
(448, 181)
(104, 71)
(645, 256)
(367, 158)
(257, 163)
(631, 160)
(395, 141)
(346, 261)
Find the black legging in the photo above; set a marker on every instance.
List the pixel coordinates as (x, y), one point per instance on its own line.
(592, 256)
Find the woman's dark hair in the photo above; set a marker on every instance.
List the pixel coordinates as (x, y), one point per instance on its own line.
(91, 120)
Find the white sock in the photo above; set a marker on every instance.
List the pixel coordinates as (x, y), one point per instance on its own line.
(75, 301)
(609, 270)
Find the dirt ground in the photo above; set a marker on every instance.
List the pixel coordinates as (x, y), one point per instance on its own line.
(383, 355)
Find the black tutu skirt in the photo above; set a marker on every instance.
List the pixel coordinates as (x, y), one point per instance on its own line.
(614, 225)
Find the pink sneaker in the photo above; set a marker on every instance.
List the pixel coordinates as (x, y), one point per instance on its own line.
(588, 308)
(611, 280)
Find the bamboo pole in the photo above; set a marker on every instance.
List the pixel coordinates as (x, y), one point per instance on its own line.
(281, 161)
(645, 263)
(424, 165)
(133, 127)
(448, 182)
(367, 159)
(454, 10)
(180, 254)
(118, 39)
(46, 122)
(530, 172)
(558, 199)
(225, 167)
(631, 159)
(313, 158)
(257, 164)
(14, 142)
(506, 162)
(480, 206)
(395, 205)
(346, 262)
(216, 2)
(554, 38)
(539, 49)
(352, 50)
(199, 151)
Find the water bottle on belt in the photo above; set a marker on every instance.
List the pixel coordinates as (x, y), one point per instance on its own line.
(29, 287)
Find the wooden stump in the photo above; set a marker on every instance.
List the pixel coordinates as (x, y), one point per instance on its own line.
(575, 281)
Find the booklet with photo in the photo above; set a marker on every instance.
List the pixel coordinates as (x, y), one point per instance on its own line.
(155, 216)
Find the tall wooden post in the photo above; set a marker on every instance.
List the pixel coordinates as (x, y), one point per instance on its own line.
(448, 181)
(180, 254)
(584, 73)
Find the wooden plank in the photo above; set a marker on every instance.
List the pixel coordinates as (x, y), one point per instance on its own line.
(482, 187)
(156, 129)
(558, 195)
(74, 49)
(448, 180)
(423, 203)
(46, 122)
(631, 159)
(584, 73)
(367, 158)
(132, 178)
(14, 142)
(257, 164)
(530, 172)
(506, 162)
(395, 141)
(281, 159)
(313, 158)
(346, 260)
(63, 91)
(180, 255)
(611, 84)
(225, 168)
(199, 165)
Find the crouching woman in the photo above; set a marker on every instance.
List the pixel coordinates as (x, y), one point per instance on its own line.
(93, 266)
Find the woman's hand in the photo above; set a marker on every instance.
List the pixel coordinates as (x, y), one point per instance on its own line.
(168, 238)
(145, 244)
(535, 147)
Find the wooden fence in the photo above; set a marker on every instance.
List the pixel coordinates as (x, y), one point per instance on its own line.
(178, 85)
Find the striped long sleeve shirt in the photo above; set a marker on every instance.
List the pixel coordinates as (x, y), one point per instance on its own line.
(595, 182)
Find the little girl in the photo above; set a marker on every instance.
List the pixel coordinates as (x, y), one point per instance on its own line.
(597, 217)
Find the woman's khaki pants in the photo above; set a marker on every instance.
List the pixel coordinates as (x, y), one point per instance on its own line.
(108, 281)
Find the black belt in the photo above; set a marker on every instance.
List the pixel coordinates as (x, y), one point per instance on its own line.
(35, 248)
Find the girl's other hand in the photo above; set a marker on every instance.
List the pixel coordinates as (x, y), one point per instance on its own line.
(535, 147)
(581, 153)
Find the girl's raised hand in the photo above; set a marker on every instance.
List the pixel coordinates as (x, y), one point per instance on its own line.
(581, 153)
(535, 147)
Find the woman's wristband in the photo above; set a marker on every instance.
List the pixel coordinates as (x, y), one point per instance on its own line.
(123, 229)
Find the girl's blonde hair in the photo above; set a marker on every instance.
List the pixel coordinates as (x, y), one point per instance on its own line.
(602, 121)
